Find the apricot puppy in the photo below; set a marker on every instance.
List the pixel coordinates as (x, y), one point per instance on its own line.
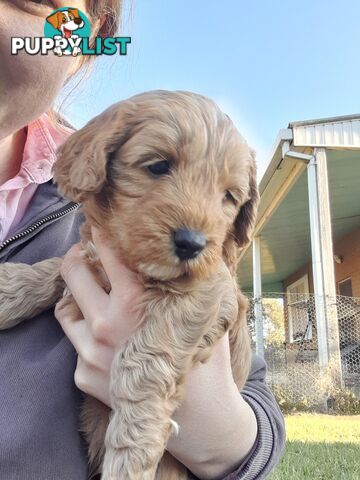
(171, 183)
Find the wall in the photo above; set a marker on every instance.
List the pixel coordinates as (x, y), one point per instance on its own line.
(348, 248)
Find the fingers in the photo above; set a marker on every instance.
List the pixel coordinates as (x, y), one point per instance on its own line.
(82, 283)
(121, 278)
(92, 374)
(92, 382)
(113, 317)
(95, 355)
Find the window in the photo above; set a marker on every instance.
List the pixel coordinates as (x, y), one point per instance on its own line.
(345, 287)
(298, 309)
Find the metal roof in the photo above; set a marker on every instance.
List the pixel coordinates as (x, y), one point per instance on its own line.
(344, 133)
(283, 219)
(285, 238)
(341, 118)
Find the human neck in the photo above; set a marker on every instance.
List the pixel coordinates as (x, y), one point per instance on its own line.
(11, 153)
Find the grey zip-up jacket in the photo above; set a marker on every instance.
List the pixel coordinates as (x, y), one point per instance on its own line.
(39, 403)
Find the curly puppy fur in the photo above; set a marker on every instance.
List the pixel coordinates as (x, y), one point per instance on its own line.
(188, 304)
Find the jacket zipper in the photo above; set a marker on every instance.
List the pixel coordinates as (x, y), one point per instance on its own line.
(38, 224)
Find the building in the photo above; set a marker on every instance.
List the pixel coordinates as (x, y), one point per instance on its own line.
(306, 248)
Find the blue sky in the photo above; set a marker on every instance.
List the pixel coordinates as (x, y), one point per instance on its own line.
(266, 62)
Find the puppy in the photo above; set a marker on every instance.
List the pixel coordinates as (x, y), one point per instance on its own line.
(171, 183)
(67, 22)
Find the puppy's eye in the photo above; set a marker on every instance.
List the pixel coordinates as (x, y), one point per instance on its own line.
(229, 197)
(159, 168)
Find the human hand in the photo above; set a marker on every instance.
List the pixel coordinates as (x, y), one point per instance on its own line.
(217, 427)
(107, 320)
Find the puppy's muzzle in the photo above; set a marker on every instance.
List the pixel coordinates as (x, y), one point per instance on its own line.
(188, 243)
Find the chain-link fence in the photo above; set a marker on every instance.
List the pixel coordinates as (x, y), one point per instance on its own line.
(290, 342)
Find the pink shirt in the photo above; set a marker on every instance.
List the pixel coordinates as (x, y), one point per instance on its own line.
(38, 157)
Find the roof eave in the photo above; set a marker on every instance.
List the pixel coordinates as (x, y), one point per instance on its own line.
(342, 118)
(284, 135)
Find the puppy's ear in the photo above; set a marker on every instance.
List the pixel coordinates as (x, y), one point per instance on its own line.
(54, 20)
(80, 169)
(75, 12)
(245, 221)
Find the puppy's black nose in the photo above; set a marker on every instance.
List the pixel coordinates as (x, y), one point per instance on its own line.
(78, 21)
(188, 243)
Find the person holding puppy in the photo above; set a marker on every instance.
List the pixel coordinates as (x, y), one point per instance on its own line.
(224, 433)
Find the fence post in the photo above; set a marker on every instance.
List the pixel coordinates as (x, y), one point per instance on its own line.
(259, 323)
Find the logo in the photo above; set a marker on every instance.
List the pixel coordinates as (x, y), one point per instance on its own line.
(67, 31)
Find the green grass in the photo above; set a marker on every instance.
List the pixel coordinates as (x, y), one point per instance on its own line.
(321, 447)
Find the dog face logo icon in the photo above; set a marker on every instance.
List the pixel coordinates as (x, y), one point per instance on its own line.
(70, 24)
(66, 21)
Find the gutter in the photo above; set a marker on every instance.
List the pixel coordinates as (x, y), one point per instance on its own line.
(302, 157)
(284, 135)
(327, 120)
(283, 171)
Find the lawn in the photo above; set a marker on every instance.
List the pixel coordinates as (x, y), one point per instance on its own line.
(321, 447)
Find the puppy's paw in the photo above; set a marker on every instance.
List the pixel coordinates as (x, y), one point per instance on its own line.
(27, 290)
